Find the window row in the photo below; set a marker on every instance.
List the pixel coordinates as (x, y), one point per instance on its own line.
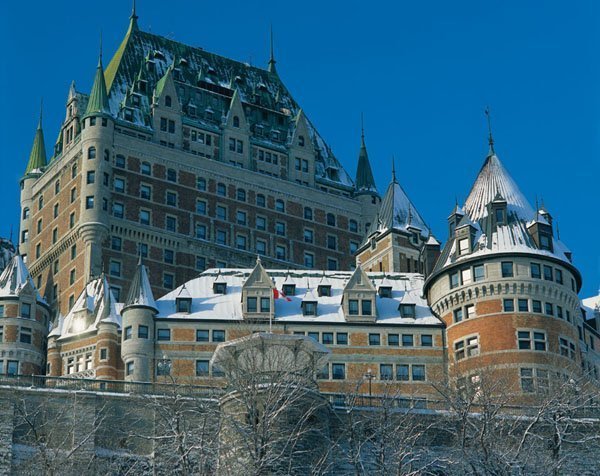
(24, 335)
(535, 306)
(407, 340)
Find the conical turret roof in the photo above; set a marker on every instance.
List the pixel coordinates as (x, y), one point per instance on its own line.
(37, 158)
(365, 183)
(98, 101)
(492, 181)
(140, 291)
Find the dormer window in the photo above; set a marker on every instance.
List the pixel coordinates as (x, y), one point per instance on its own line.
(289, 289)
(373, 243)
(366, 307)
(415, 238)
(407, 311)
(301, 141)
(220, 288)
(168, 101)
(500, 216)
(236, 121)
(135, 100)
(324, 290)
(385, 291)
(545, 242)
(464, 246)
(184, 305)
(309, 308)
(128, 114)
(142, 85)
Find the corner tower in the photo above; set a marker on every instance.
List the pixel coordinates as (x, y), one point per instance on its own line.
(35, 168)
(506, 289)
(97, 132)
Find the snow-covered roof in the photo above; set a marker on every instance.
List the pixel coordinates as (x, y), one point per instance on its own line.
(208, 305)
(15, 278)
(398, 212)
(591, 306)
(149, 56)
(494, 185)
(140, 291)
(95, 304)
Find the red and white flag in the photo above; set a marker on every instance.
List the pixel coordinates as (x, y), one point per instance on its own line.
(277, 294)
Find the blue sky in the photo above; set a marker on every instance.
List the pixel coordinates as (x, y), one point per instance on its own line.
(421, 72)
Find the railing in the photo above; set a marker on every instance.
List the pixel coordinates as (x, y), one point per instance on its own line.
(108, 386)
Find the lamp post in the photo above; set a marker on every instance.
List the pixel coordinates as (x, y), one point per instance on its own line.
(369, 376)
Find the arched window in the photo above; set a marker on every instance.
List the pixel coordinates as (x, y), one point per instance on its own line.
(56, 187)
(236, 121)
(279, 206)
(241, 194)
(331, 219)
(25, 213)
(41, 202)
(92, 153)
(74, 171)
(106, 154)
(168, 101)
(301, 141)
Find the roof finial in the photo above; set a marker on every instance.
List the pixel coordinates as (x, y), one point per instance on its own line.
(490, 137)
(133, 16)
(557, 231)
(393, 168)
(100, 53)
(41, 112)
(257, 259)
(272, 53)
(537, 209)
(362, 127)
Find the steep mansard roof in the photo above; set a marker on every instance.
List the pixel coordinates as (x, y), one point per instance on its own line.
(406, 288)
(494, 183)
(37, 158)
(365, 183)
(397, 212)
(146, 55)
(15, 278)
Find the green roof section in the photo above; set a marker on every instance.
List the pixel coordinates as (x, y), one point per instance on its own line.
(113, 65)
(365, 183)
(160, 85)
(37, 158)
(98, 97)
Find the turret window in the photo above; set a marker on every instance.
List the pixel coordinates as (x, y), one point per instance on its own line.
(25, 213)
(531, 340)
(129, 368)
(142, 332)
(536, 306)
(548, 274)
(558, 274)
(545, 242)
(468, 347)
(507, 269)
(25, 335)
(509, 305)
(91, 153)
(536, 271)
(454, 280)
(26, 310)
(89, 202)
(478, 273)
(91, 177)
(128, 333)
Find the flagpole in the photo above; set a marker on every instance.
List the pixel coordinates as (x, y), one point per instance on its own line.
(271, 312)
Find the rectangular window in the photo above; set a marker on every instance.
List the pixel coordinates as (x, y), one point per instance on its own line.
(221, 212)
(536, 306)
(469, 311)
(89, 202)
(145, 192)
(12, 367)
(366, 305)
(119, 185)
(314, 336)
(549, 308)
(240, 242)
(507, 269)
(341, 338)
(145, 217)
(402, 372)
(338, 371)
(386, 371)
(407, 340)
(478, 273)
(26, 310)
(393, 340)
(453, 280)
(171, 223)
(466, 276)
(200, 231)
(374, 339)
(218, 335)
(240, 217)
(114, 268)
(426, 340)
(548, 273)
(163, 334)
(536, 271)
(25, 335)
(527, 380)
(168, 281)
(327, 338)
(142, 332)
(523, 305)
(202, 368)
(169, 256)
(127, 333)
(202, 335)
(458, 315)
(559, 312)
(251, 304)
(509, 305)
(418, 373)
(558, 275)
(265, 304)
(280, 252)
(353, 307)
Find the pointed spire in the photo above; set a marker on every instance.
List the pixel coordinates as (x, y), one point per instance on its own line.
(490, 137)
(37, 157)
(365, 183)
(140, 292)
(393, 169)
(272, 61)
(133, 17)
(98, 102)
